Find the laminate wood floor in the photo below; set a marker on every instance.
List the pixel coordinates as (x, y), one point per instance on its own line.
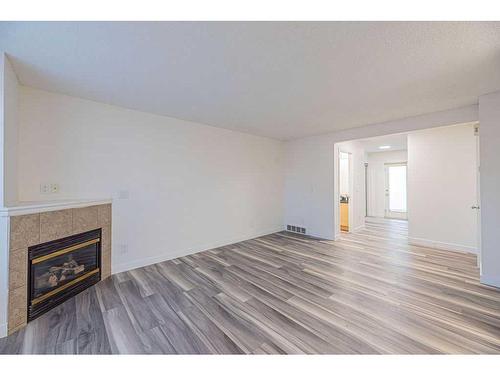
(369, 292)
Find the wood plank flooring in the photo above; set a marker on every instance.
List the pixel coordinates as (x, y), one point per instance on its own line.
(369, 292)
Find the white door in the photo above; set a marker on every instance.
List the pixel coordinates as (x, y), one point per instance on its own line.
(395, 191)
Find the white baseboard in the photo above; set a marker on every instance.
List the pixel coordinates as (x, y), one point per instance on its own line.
(492, 281)
(441, 245)
(358, 228)
(3, 330)
(319, 236)
(163, 257)
(337, 235)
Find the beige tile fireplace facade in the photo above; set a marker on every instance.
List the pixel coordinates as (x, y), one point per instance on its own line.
(33, 229)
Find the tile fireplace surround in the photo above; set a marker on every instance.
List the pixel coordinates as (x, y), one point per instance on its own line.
(26, 225)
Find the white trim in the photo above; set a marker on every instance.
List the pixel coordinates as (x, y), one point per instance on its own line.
(360, 227)
(492, 281)
(161, 258)
(4, 275)
(24, 208)
(321, 238)
(350, 176)
(478, 197)
(441, 245)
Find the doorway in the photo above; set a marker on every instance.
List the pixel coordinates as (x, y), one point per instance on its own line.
(424, 183)
(344, 189)
(396, 191)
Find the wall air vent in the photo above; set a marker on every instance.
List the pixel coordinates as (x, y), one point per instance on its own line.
(296, 229)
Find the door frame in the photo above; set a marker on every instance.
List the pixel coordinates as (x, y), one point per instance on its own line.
(351, 188)
(388, 214)
(478, 198)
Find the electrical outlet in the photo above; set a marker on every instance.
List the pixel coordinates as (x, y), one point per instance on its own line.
(49, 188)
(45, 188)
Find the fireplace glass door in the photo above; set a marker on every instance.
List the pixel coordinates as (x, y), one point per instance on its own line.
(61, 269)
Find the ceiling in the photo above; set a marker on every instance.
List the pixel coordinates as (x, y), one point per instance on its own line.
(278, 79)
(397, 142)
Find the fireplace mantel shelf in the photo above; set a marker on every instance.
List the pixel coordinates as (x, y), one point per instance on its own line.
(24, 208)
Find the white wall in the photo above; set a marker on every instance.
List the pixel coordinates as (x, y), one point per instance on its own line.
(376, 178)
(309, 174)
(10, 100)
(190, 186)
(8, 132)
(4, 230)
(8, 172)
(442, 188)
(489, 134)
(3, 59)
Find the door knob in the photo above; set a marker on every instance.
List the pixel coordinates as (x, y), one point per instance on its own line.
(475, 207)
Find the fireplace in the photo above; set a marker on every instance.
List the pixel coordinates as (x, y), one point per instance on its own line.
(60, 269)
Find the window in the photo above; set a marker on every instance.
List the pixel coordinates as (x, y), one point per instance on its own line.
(397, 188)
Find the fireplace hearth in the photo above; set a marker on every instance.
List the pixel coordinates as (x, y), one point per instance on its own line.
(60, 269)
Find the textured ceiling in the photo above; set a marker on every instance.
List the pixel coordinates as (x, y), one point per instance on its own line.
(279, 79)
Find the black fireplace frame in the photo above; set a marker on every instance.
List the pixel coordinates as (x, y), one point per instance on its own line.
(34, 311)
